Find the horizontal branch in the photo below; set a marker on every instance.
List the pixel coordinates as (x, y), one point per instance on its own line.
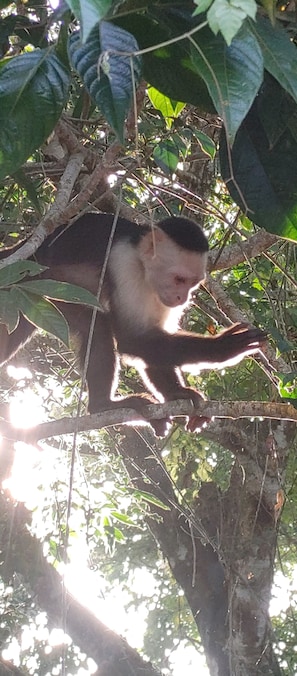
(172, 409)
(241, 252)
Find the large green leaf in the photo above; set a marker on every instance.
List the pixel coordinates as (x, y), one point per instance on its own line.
(41, 312)
(277, 110)
(70, 293)
(89, 12)
(9, 313)
(13, 273)
(33, 91)
(263, 178)
(232, 74)
(227, 16)
(168, 68)
(279, 53)
(107, 73)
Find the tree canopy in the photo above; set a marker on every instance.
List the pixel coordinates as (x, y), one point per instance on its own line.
(146, 109)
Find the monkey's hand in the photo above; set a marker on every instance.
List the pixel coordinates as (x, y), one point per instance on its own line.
(238, 341)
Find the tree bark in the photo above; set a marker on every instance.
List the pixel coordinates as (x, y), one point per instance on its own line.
(221, 552)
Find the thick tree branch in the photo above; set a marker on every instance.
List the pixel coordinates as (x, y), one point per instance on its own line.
(45, 226)
(63, 210)
(182, 407)
(238, 253)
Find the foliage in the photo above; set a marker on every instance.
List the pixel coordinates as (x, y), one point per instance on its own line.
(156, 530)
(33, 92)
(215, 64)
(30, 298)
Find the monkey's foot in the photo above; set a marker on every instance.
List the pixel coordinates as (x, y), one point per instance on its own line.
(194, 423)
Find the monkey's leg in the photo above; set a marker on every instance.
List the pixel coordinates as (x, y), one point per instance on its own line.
(101, 371)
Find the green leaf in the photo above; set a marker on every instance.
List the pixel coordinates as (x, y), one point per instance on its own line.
(4, 3)
(13, 273)
(270, 6)
(170, 109)
(41, 312)
(112, 89)
(9, 313)
(263, 178)
(287, 386)
(203, 6)
(232, 74)
(119, 71)
(206, 143)
(89, 13)
(148, 497)
(123, 518)
(169, 68)
(70, 293)
(228, 16)
(118, 535)
(276, 109)
(33, 91)
(166, 156)
(279, 53)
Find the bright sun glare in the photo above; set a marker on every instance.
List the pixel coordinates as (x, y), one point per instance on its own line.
(32, 467)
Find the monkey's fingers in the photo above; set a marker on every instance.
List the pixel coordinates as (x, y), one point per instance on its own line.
(242, 337)
(246, 330)
(252, 336)
(236, 328)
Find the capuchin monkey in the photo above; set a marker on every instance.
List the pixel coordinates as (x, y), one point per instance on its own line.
(150, 275)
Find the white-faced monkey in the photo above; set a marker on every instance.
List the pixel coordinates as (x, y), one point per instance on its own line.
(150, 275)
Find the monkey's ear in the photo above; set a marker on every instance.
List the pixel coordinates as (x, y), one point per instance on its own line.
(151, 240)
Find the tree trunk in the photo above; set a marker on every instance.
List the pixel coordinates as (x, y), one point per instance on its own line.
(221, 552)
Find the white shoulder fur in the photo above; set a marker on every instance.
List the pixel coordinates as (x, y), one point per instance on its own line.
(133, 297)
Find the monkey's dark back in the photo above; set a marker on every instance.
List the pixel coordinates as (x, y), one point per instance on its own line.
(86, 240)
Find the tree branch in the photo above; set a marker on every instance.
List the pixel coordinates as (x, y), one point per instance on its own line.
(238, 253)
(174, 409)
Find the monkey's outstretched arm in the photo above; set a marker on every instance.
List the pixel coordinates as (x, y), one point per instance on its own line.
(156, 347)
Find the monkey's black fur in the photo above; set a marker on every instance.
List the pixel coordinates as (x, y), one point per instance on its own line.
(87, 238)
(148, 277)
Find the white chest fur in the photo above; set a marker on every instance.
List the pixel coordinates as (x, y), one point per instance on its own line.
(133, 298)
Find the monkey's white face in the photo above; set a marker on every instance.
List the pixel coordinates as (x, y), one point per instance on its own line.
(171, 271)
